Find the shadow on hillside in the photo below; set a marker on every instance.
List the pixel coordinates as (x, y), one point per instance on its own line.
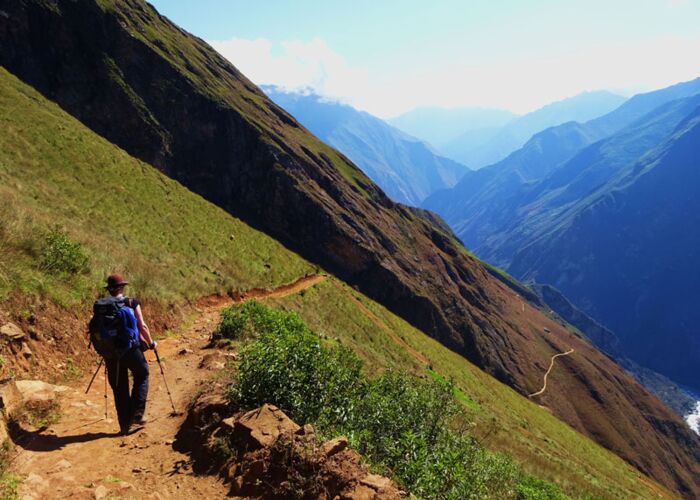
(38, 441)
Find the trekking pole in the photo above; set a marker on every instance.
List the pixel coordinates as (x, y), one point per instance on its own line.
(160, 365)
(95, 375)
(105, 391)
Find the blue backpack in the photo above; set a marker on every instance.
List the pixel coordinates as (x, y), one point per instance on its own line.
(113, 327)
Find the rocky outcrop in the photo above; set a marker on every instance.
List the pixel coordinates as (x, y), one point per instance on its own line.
(264, 454)
(11, 332)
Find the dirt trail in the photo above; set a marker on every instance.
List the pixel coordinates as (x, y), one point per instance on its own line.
(83, 457)
(551, 365)
(282, 291)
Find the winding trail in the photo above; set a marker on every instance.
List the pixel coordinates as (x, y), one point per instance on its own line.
(82, 456)
(551, 365)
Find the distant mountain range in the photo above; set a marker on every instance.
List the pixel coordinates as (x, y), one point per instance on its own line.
(439, 126)
(403, 166)
(516, 133)
(603, 211)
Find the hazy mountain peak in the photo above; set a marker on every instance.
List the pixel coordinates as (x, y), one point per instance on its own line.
(491, 149)
(406, 168)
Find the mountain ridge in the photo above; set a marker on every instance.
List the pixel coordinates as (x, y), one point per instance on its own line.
(439, 126)
(404, 167)
(505, 215)
(515, 134)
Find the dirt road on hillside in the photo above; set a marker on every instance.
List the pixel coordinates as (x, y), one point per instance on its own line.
(551, 365)
(82, 456)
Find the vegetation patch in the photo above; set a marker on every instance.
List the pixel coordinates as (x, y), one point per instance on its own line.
(412, 429)
(500, 419)
(9, 486)
(38, 414)
(9, 482)
(61, 255)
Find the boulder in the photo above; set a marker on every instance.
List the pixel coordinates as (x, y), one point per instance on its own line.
(377, 482)
(208, 407)
(101, 492)
(213, 361)
(336, 445)
(11, 331)
(37, 392)
(10, 397)
(261, 427)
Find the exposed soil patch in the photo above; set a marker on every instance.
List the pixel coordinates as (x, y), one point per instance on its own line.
(264, 454)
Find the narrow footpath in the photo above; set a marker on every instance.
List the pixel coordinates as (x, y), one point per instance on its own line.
(551, 365)
(82, 456)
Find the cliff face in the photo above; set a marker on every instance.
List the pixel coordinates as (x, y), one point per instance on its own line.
(169, 99)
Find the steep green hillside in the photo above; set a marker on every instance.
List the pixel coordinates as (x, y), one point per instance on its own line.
(171, 243)
(177, 246)
(503, 420)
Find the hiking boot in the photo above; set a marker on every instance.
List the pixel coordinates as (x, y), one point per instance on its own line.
(139, 420)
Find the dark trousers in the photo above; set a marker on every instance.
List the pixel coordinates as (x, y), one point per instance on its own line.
(129, 406)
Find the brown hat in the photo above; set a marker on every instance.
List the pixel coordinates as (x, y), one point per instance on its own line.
(115, 281)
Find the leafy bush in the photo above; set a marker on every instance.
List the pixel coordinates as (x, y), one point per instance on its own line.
(532, 488)
(289, 367)
(61, 255)
(407, 427)
(251, 319)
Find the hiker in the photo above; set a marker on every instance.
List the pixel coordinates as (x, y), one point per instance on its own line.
(120, 335)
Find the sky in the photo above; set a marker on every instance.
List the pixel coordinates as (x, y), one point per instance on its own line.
(390, 56)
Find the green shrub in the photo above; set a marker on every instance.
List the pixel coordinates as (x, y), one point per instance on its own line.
(9, 485)
(252, 318)
(61, 255)
(532, 488)
(408, 428)
(288, 367)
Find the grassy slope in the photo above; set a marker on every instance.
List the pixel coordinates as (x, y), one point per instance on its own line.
(172, 244)
(505, 421)
(177, 246)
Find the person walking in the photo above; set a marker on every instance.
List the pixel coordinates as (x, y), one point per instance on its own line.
(125, 352)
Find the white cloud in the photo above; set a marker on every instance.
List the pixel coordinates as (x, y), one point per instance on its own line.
(519, 85)
(299, 65)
